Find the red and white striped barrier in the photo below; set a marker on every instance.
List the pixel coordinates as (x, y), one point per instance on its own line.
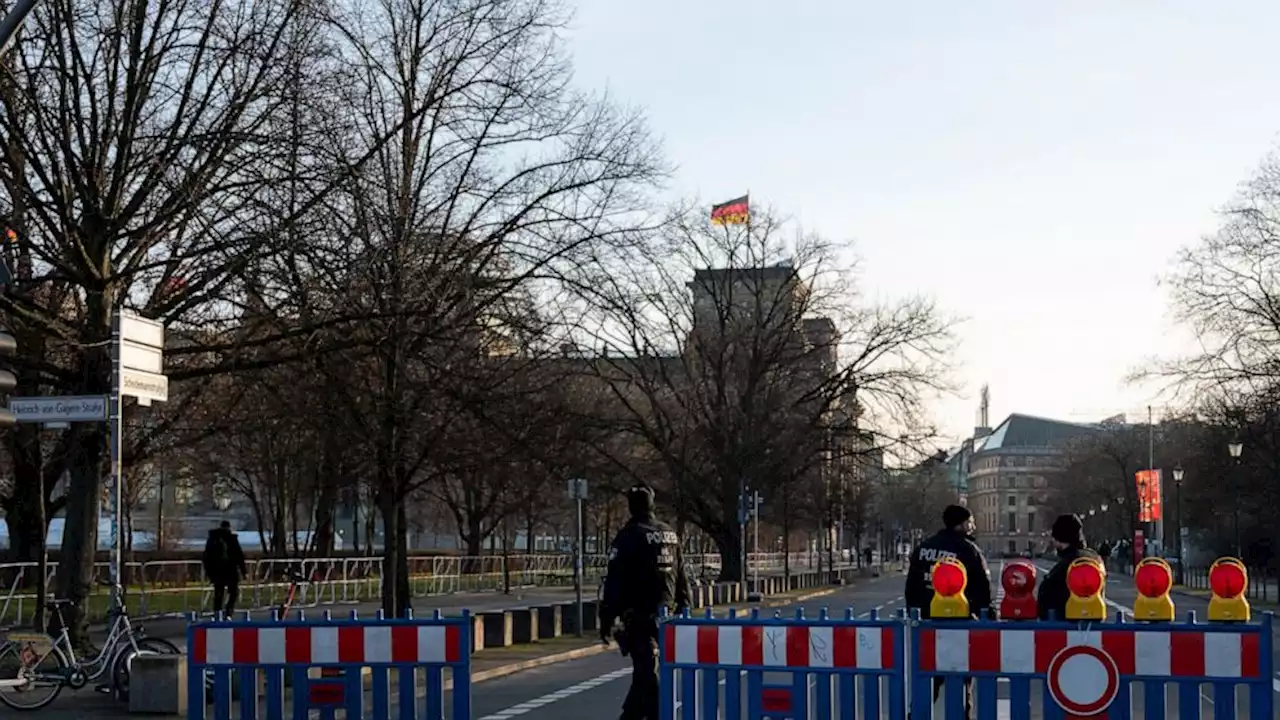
(1161, 653)
(802, 645)
(318, 645)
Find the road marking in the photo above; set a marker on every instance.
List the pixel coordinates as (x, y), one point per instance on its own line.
(528, 705)
(534, 704)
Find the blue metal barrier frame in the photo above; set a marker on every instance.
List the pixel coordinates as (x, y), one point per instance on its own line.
(1260, 688)
(706, 677)
(351, 674)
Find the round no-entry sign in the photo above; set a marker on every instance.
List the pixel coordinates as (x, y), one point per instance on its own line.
(1083, 680)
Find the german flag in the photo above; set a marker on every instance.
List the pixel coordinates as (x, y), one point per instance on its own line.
(734, 212)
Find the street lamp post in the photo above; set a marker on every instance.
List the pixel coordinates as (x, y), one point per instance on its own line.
(1178, 474)
(1235, 448)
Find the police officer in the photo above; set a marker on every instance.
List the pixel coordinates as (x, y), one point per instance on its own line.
(646, 574)
(1068, 538)
(954, 540)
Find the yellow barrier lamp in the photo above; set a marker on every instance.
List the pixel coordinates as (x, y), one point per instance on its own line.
(1085, 580)
(1154, 580)
(1228, 580)
(949, 582)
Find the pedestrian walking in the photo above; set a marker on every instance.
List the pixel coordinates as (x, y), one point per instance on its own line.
(646, 575)
(224, 565)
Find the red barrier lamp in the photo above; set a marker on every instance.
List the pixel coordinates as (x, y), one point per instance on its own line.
(1085, 580)
(1228, 580)
(949, 582)
(1019, 582)
(1154, 580)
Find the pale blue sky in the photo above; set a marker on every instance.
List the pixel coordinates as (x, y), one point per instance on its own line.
(1033, 164)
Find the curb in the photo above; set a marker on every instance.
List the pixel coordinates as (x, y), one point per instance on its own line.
(515, 667)
(577, 653)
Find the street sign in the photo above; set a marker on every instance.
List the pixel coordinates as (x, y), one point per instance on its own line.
(578, 489)
(137, 356)
(140, 330)
(74, 408)
(144, 385)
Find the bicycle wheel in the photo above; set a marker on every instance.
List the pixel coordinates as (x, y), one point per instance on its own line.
(146, 646)
(48, 676)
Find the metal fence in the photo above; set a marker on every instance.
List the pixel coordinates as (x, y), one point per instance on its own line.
(904, 667)
(282, 654)
(172, 588)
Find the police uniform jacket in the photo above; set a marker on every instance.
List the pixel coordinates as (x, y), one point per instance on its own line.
(1053, 594)
(646, 572)
(949, 544)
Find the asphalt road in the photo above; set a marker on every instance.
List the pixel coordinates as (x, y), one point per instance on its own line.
(593, 688)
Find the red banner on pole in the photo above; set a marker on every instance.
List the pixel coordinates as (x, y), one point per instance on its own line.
(1149, 496)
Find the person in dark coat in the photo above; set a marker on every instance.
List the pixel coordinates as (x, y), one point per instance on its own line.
(1068, 538)
(224, 564)
(646, 575)
(954, 540)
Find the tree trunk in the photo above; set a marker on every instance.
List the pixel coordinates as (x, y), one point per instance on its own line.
(326, 499)
(80, 537)
(391, 531)
(729, 544)
(473, 535)
(403, 596)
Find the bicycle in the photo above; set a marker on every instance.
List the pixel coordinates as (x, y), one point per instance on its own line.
(296, 580)
(31, 649)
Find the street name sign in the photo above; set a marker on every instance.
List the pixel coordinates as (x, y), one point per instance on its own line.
(76, 408)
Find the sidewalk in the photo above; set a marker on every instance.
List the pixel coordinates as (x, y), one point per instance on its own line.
(488, 664)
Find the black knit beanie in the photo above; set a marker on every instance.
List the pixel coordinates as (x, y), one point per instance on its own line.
(955, 515)
(1068, 529)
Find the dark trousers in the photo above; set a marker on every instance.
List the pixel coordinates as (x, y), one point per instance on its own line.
(642, 646)
(229, 587)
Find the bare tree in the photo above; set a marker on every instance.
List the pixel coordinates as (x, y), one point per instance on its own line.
(1225, 289)
(736, 354)
(499, 180)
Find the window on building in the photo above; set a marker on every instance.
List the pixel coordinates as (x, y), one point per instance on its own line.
(1031, 522)
(1013, 501)
(1013, 547)
(1013, 522)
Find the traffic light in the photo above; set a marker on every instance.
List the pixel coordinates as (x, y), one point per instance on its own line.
(1086, 579)
(8, 381)
(1228, 581)
(949, 582)
(1154, 579)
(1019, 581)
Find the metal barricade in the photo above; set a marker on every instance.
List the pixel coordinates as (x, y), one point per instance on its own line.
(321, 665)
(793, 668)
(824, 669)
(1089, 669)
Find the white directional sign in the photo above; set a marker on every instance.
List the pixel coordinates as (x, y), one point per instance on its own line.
(142, 359)
(140, 330)
(79, 408)
(136, 356)
(144, 385)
